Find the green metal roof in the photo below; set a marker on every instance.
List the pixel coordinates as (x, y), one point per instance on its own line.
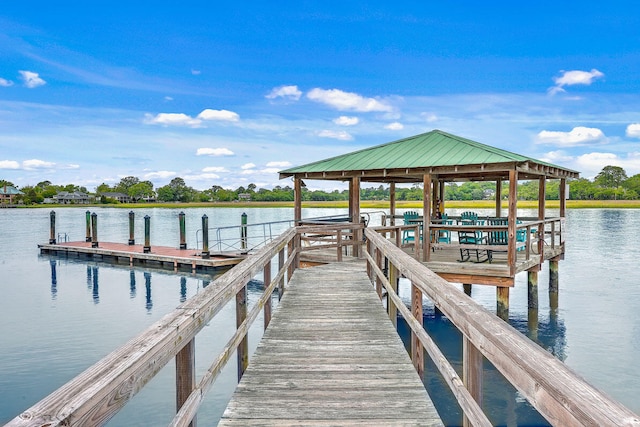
(427, 150)
(8, 190)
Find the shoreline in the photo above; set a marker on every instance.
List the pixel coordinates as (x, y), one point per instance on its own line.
(364, 204)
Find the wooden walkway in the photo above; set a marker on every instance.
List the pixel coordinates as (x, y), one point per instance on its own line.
(330, 356)
(134, 254)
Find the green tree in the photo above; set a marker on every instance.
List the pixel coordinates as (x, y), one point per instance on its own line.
(126, 183)
(611, 177)
(141, 190)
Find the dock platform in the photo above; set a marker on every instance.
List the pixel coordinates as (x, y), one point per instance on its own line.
(134, 254)
(330, 356)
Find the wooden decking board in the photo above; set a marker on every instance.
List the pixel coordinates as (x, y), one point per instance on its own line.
(330, 357)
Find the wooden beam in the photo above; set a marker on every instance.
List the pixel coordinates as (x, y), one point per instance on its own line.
(392, 202)
(417, 351)
(563, 197)
(541, 213)
(471, 372)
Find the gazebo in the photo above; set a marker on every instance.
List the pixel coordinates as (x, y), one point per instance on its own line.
(433, 159)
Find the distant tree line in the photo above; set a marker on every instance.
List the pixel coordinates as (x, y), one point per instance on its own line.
(610, 184)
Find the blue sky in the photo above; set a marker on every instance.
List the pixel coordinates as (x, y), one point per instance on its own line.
(228, 94)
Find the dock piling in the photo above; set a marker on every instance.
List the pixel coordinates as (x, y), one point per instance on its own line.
(88, 223)
(205, 236)
(183, 239)
(94, 230)
(147, 234)
(243, 231)
(132, 240)
(52, 228)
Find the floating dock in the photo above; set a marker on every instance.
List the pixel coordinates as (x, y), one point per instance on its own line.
(166, 257)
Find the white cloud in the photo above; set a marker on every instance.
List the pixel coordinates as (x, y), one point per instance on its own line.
(429, 117)
(557, 157)
(37, 164)
(168, 98)
(214, 152)
(9, 164)
(347, 101)
(286, 92)
(574, 77)
(633, 130)
(215, 169)
(201, 177)
(31, 79)
(346, 121)
(283, 164)
(342, 135)
(247, 166)
(70, 166)
(394, 126)
(5, 83)
(196, 72)
(579, 135)
(222, 115)
(172, 119)
(160, 175)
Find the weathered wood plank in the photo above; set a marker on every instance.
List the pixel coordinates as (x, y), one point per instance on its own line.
(324, 363)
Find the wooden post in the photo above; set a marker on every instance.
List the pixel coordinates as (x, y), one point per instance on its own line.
(354, 213)
(391, 307)
(512, 217)
(297, 200)
(426, 208)
(94, 230)
(205, 237)
(554, 279)
(380, 265)
(183, 238)
(243, 347)
(52, 228)
(502, 302)
(267, 282)
(132, 239)
(185, 374)
(392, 203)
(88, 222)
(467, 288)
(471, 372)
(147, 234)
(417, 351)
(243, 232)
(441, 196)
(290, 247)
(498, 198)
(532, 317)
(280, 265)
(339, 244)
(563, 197)
(541, 215)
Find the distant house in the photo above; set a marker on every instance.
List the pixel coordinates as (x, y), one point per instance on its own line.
(120, 197)
(8, 193)
(244, 197)
(68, 198)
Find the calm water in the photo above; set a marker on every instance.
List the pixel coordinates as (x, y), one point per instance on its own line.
(59, 316)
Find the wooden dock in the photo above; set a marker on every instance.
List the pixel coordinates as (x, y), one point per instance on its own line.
(330, 356)
(163, 256)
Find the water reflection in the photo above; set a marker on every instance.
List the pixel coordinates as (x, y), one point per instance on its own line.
(183, 289)
(95, 291)
(147, 284)
(132, 284)
(54, 279)
(503, 403)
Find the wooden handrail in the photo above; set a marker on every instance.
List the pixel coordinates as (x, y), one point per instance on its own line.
(97, 394)
(558, 393)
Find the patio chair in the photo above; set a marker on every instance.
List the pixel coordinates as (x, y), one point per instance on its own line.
(409, 219)
(468, 218)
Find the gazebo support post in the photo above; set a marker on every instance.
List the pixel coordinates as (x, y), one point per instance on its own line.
(392, 203)
(297, 200)
(426, 206)
(498, 198)
(541, 213)
(354, 212)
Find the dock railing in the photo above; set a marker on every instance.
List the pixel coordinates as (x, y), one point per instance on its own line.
(98, 393)
(558, 393)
